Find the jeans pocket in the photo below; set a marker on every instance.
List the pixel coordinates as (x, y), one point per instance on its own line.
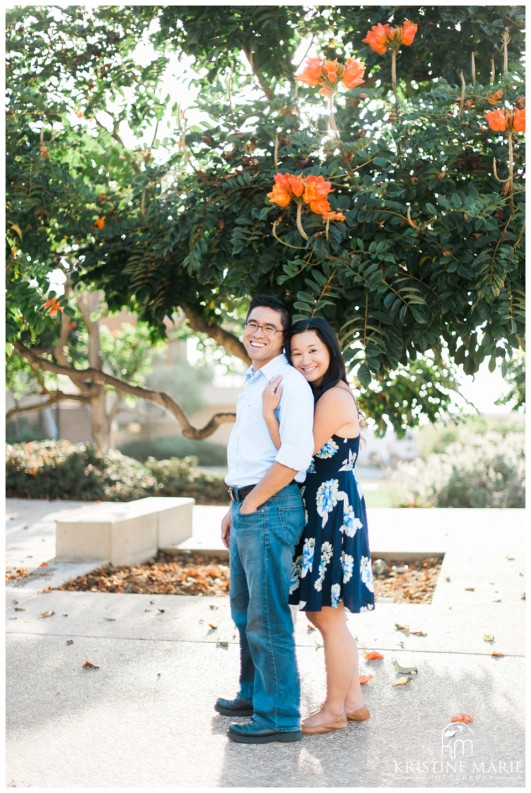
(291, 520)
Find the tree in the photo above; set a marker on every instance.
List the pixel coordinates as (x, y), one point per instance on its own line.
(122, 356)
(423, 275)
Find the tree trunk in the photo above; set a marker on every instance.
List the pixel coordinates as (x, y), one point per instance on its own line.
(100, 422)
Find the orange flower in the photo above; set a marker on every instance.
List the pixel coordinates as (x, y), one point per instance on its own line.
(312, 73)
(282, 192)
(100, 222)
(333, 216)
(364, 679)
(330, 71)
(352, 76)
(296, 185)
(315, 193)
(494, 98)
(496, 120)
(312, 190)
(409, 30)
(499, 120)
(327, 74)
(373, 656)
(53, 306)
(519, 120)
(380, 37)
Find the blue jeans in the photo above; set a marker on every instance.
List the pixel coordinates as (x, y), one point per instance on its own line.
(261, 556)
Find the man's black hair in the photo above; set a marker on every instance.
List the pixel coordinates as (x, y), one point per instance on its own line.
(276, 303)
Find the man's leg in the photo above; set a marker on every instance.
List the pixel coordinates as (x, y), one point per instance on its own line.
(266, 541)
(239, 603)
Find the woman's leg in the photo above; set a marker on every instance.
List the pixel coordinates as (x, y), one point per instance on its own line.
(341, 662)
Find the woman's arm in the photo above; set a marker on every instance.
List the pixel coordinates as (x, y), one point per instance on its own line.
(270, 400)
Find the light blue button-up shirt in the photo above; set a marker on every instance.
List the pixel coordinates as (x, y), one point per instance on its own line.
(251, 452)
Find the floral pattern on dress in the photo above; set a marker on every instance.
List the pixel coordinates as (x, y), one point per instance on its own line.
(327, 497)
(326, 555)
(307, 556)
(332, 559)
(350, 522)
(327, 450)
(350, 462)
(366, 573)
(335, 593)
(347, 564)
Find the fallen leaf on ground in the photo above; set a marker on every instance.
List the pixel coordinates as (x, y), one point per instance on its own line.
(47, 613)
(213, 626)
(161, 610)
(18, 572)
(497, 654)
(463, 718)
(223, 644)
(310, 627)
(69, 642)
(43, 564)
(364, 679)
(470, 589)
(404, 670)
(373, 656)
(89, 665)
(401, 681)
(418, 633)
(403, 628)
(488, 637)
(20, 608)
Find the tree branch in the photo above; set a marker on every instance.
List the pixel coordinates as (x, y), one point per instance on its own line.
(157, 397)
(265, 88)
(55, 397)
(220, 336)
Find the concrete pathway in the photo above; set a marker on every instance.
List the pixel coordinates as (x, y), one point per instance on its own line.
(145, 718)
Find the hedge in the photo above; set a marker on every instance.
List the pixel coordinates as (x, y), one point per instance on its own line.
(82, 472)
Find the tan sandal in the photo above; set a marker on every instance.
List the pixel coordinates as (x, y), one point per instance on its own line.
(361, 714)
(338, 724)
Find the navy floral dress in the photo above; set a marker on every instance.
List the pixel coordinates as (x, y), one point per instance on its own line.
(332, 562)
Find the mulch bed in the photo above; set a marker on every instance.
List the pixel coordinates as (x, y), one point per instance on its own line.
(193, 573)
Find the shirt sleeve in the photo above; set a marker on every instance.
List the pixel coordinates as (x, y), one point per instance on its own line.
(296, 424)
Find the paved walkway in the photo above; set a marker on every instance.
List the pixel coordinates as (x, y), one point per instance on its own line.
(145, 718)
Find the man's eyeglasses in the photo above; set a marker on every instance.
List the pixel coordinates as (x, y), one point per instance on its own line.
(268, 330)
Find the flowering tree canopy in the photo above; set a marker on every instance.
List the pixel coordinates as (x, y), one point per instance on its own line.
(366, 166)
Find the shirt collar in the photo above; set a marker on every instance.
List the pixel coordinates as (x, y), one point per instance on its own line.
(269, 369)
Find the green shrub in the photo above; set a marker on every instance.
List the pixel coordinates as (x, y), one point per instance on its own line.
(180, 477)
(60, 469)
(63, 470)
(175, 446)
(478, 470)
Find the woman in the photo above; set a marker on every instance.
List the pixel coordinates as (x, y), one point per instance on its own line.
(332, 568)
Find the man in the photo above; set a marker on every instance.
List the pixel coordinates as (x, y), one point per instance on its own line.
(261, 530)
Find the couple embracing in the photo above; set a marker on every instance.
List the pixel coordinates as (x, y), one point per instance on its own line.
(296, 529)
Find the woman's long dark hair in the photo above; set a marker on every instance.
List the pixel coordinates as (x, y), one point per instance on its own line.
(336, 369)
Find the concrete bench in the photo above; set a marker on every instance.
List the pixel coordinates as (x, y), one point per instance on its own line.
(123, 532)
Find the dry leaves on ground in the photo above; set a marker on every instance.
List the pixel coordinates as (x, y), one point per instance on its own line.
(195, 573)
(167, 574)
